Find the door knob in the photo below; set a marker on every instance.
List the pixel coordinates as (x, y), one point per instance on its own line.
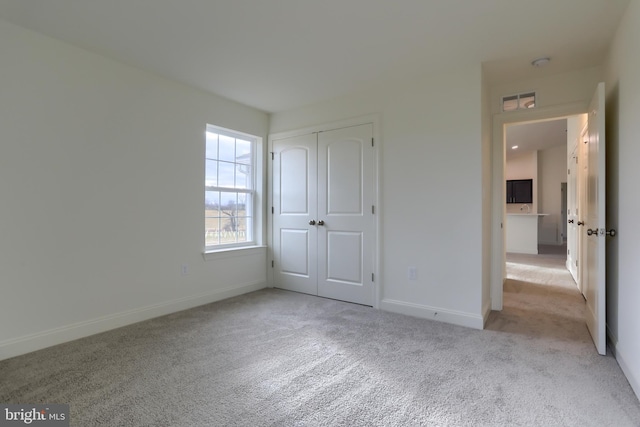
(312, 222)
(611, 232)
(570, 221)
(580, 222)
(321, 222)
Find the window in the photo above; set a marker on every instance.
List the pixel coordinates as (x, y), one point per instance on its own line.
(521, 101)
(229, 194)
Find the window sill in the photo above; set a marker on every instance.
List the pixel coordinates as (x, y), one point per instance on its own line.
(233, 252)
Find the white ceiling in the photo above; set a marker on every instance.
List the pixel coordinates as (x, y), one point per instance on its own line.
(280, 54)
(535, 136)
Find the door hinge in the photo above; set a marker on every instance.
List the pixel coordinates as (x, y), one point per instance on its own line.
(373, 209)
(372, 142)
(568, 171)
(272, 210)
(273, 263)
(372, 277)
(273, 155)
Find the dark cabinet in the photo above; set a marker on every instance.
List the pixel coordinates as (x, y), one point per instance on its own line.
(520, 191)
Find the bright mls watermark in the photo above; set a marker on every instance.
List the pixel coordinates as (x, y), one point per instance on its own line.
(53, 415)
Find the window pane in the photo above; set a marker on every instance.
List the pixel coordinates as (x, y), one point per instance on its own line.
(212, 204)
(243, 176)
(243, 234)
(228, 202)
(227, 147)
(212, 146)
(211, 173)
(244, 217)
(211, 231)
(228, 217)
(226, 175)
(243, 151)
(242, 204)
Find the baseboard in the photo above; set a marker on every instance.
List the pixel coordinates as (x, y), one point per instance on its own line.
(634, 381)
(26, 344)
(486, 311)
(549, 242)
(632, 378)
(433, 313)
(612, 340)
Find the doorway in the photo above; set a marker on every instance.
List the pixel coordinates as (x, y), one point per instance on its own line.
(593, 258)
(499, 211)
(536, 152)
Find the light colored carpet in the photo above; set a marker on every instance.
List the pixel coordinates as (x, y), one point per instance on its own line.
(277, 358)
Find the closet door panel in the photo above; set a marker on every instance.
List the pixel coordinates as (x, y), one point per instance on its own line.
(345, 200)
(295, 206)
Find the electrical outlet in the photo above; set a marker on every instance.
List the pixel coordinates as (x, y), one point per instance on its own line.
(184, 269)
(412, 273)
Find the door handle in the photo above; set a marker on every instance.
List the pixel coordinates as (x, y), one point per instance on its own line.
(611, 232)
(570, 221)
(580, 222)
(321, 222)
(312, 222)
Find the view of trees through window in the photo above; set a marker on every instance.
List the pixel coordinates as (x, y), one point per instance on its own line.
(229, 188)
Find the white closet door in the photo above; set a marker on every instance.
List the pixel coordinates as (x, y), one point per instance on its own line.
(295, 206)
(323, 224)
(346, 244)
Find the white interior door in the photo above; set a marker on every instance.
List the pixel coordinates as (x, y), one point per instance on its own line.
(323, 227)
(295, 239)
(595, 224)
(345, 207)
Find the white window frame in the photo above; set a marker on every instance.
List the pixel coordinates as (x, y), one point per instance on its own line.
(253, 194)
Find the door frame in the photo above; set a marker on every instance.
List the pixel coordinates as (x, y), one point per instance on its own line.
(498, 158)
(375, 120)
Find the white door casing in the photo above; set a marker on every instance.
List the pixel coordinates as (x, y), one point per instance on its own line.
(583, 166)
(595, 284)
(572, 206)
(323, 227)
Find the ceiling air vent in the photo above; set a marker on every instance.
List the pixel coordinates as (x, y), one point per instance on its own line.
(521, 101)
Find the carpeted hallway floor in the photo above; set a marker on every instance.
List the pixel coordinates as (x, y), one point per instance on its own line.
(277, 358)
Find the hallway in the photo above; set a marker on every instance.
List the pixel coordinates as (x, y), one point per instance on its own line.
(541, 298)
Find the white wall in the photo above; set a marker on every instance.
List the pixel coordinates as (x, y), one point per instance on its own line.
(101, 183)
(486, 197)
(432, 194)
(552, 171)
(622, 73)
